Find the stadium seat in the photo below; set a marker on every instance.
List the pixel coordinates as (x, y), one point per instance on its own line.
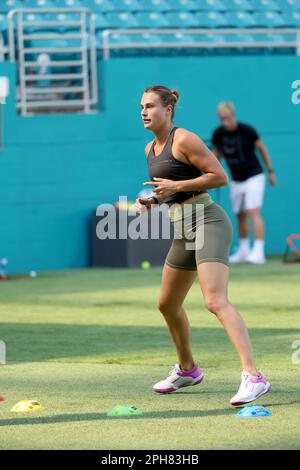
(7, 5)
(38, 4)
(146, 38)
(154, 43)
(210, 5)
(176, 39)
(59, 18)
(140, 44)
(183, 38)
(291, 19)
(34, 17)
(120, 20)
(182, 19)
(128, 5)
(245, 45)
(264, 5)
(209, 44)
(209, 38)
(99, 21)
(237, 5)
(212, 19)
(114, 38)
(273, 38)
(156, 5)
(240, 19)
(289, 5)
(193, 46)
(239, 38)
(180, 43)
(60, 15)
(100, 6)
(151, 20)
(69, 4)
(183, 5)
(268, 19)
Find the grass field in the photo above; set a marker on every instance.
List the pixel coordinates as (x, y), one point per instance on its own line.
(83, 341)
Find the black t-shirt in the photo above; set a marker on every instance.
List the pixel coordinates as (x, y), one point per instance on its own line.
(238, 149)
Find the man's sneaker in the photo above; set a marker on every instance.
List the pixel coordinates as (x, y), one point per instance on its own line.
(179, 378)
(256, 258)
(239, 256)
(252, 387)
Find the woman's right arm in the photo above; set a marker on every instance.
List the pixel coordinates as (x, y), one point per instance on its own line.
(146, 203)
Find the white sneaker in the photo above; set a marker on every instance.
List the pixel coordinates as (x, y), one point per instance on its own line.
(256, 258)
(179, 378)
(239, 256)
(252, 387)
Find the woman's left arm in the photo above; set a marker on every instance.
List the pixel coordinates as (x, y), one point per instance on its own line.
(199, 155)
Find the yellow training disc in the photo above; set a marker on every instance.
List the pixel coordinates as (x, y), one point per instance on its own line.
(27, 406)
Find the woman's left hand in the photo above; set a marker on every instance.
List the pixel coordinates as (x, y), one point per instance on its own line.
(163, 187)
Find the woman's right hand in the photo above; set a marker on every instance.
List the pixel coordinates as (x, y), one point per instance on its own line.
(143, 204)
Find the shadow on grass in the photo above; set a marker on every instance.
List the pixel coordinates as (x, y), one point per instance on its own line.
(25, 290)
(36, 342)
(66, 418)
(167, 414)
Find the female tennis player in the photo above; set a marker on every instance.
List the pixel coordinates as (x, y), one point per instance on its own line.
(182, 169)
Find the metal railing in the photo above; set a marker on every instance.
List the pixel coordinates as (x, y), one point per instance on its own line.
(32, 98)
(295, 43)
(3, 49)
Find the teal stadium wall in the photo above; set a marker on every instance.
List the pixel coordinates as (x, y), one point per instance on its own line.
(55, 169)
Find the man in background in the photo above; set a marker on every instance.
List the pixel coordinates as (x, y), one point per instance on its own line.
(237, 143)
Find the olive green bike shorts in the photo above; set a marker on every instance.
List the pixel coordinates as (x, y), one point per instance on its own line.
(203, 233)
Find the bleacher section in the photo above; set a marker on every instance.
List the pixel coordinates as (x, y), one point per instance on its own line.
(176, 14)
(46, 43)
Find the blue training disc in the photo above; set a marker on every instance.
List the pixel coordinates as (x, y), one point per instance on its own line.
(253, 411)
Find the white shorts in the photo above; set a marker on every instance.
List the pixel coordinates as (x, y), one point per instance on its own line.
(248, 194)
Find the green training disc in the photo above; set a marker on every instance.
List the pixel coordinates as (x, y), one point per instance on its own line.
(124, 410)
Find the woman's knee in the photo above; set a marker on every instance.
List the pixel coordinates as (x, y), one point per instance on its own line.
(216, 304)
(166, 307)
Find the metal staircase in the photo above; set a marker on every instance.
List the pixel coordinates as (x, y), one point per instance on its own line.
(55, 53)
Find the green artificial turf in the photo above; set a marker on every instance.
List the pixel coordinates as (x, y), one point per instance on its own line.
(83, 341)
